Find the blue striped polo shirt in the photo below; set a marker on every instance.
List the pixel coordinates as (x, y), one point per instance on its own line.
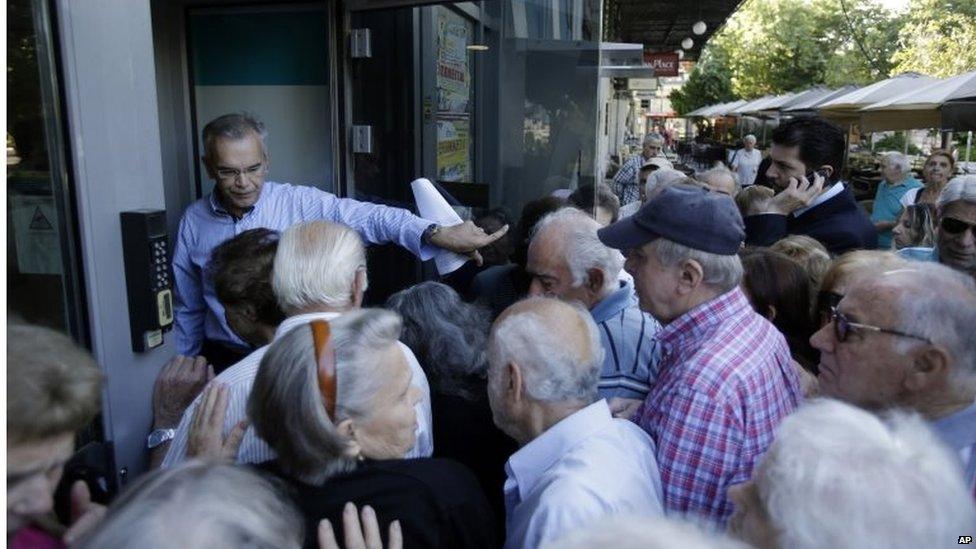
(631, 357)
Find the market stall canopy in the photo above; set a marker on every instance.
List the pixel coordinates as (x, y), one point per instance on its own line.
(719, 109)
(725, 109)
(771, 108)
(751, 105)
(846, 108)
(920, 107)
(809, 100)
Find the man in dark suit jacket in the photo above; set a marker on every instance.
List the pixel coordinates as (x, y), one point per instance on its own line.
(805, 165)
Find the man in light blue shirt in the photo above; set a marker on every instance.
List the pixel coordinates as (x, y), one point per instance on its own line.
(897, 181)
(566, 260)
(578, 465)
(236, 159)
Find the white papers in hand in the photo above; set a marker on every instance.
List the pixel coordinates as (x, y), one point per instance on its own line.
(433, 207)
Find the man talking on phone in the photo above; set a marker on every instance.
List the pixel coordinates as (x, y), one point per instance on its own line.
(805, 168)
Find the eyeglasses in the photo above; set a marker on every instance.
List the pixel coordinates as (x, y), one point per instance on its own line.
(956, 226)
(325, 358)
(248, 172)
(843, 327)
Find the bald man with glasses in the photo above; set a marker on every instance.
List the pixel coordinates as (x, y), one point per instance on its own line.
(895, 342)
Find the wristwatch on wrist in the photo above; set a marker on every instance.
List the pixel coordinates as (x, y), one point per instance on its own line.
(429, 233)
(159, 436)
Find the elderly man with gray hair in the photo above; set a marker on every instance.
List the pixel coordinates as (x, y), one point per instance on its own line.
(236, 158)
(894, 341)
(725, 378)
(720, 180)
(745, 161)
(955, 239)
(566, 260)
(577, 465)
(626, 183)
(839, 477)
(319, 273)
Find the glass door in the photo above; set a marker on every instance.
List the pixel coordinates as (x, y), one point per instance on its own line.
(43, 278)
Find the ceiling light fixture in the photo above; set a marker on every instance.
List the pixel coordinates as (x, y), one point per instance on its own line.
(687, 43)
(699, 28)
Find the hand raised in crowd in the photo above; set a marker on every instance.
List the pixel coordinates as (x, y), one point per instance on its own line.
(466, 238)
(206, 439)
(359, 536)
(85, 514)
(799, 194)
(179, 382)
(623, 408)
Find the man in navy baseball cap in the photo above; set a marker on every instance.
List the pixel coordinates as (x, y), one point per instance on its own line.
(692, 216)
(725, 377)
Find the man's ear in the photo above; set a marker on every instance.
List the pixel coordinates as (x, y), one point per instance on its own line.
(359, 285)
(827, 169)
(930, 365)
(514, 388)
(347, 429)
(690, 275)
(770, 313)
(595, 280)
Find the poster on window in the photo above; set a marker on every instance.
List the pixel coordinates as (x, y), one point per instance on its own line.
(453, 73)
(454, 150)
(35, 234)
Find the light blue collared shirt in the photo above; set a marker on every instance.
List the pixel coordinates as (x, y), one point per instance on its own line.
(206, 224)
(919, 254)
(630, 350)
(577, 474)
(958, 431)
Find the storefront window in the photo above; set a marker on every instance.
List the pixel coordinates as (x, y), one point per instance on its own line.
(41, 285)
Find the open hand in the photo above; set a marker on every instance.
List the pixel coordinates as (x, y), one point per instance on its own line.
(799, 194)
(466, 238)
(178, 383)
(205, 439)
(359, 536)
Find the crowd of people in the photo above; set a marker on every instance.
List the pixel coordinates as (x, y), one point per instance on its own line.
(668, 361)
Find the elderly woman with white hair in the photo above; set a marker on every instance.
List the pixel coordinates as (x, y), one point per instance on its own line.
(745, 162)
(199, 505)
(838, 476)
(334, 400)
(897, 179)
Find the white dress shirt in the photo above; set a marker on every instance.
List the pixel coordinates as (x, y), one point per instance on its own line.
(833, 191)
(579, 472)
(240, 378)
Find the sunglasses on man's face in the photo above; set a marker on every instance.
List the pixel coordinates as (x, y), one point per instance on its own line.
(956, 226)
(844, 326)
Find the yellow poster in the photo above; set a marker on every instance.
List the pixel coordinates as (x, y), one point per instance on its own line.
(453, 150)
(453, 74)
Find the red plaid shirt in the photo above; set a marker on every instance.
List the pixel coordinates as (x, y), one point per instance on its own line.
(726, 380)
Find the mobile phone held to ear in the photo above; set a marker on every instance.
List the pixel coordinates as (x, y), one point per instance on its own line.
(819, 172)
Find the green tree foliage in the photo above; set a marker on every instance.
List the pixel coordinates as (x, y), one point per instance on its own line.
(938, 38)
(864, 37)
(709, 83)
(773, 46)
